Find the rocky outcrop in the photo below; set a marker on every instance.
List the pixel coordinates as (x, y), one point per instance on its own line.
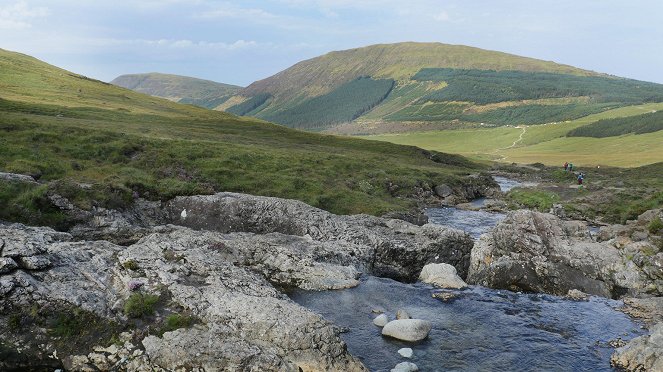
(383, 247)
(644, 353)
(441, 275)
(537, 252)
(13, 177)
(220, 279)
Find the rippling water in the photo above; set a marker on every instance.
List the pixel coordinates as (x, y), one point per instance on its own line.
(482, 329)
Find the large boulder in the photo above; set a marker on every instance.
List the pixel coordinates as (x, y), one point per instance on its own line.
(644, 353)
(441, 275)
(407, 329)
(537, 252)
(383, 247)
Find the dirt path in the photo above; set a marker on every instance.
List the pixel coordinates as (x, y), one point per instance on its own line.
(520, 139)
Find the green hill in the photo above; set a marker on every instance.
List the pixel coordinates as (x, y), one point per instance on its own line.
(182, 89)
(433, 83)
(98, 144)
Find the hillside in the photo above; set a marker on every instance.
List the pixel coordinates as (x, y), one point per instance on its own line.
(182, 89)
(441, 85)
(99, 145)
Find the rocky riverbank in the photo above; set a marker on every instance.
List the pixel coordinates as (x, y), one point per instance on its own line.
(182, 289)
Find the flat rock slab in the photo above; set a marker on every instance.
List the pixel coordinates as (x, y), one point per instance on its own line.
(407, 329)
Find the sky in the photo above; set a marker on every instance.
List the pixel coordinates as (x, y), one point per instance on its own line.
(238, 42)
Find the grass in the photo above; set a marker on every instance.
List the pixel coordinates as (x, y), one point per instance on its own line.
(97, 144)
(546, 144)
(540, 200)
(655, 226)
(140, 304)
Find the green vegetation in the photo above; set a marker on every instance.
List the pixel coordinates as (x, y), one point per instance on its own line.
(655, 226)
(140, 304)
(534, 199)
(536, 114)
(487, 86)
(645, 123)
(98, 144)
(131, 265)
(249, 105)
(343, 104)
(429, 112)
(546, 144)
(182, 89)
(176, 321)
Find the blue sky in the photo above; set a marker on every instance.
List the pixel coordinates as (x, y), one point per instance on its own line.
(241, 41)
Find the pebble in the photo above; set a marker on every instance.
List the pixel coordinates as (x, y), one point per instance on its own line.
(405, 367)
(381, 320)
(405, 352)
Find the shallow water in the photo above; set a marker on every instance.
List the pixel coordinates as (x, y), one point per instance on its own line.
(474, 223)
(507, 184)
(482, 329)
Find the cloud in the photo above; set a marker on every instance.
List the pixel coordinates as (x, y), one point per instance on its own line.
(17, 16)
(441, 16)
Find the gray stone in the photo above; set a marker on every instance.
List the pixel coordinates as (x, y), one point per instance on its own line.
(407, 329)
(13, 177)
(405, 367)
(536, 252)
(441, 275)
(7, 265)
(443, 191)
(405, 352)
(577, 295)
(644, 353)
(381, 320)
(34, 262)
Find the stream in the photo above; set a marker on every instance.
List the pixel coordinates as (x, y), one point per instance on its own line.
(481, 329)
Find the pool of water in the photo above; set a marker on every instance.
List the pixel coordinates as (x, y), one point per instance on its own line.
(481, 330)
(507, 184)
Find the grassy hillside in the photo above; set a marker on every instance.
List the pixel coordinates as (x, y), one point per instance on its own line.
(549, 143)
(98, 144)
(444, 85)
(182, 89)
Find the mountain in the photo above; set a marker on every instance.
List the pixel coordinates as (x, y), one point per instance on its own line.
(438, 84)
(98, 144)
(182, 89)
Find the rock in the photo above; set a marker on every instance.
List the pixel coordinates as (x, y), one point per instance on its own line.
(7, 265)
(577, 295)
(443, 191)
(558, 210)
(405, 352)
(388, 248)
(536, 252)
(402, 314)
(649, 310)
(13, 177)
(6, 286)
(444, 296)
(415, 217)
(407, 329)
(220, 279)
(34, 262)
(441, 275)
(644, 353)
(381, 320)
(405, 367)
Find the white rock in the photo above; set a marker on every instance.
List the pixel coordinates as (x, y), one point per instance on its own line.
(405, 352)
(441, 275)
(407, 329)
(381, 320)
(183, 214)
(405, 367)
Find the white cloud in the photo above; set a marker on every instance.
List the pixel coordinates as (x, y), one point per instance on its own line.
(441, 16)
(18, 15)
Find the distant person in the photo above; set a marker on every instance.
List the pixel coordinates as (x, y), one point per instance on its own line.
(581, 177)
(566, 166)
(570, 167)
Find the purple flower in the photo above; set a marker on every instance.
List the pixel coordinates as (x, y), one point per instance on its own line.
(134, 285)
